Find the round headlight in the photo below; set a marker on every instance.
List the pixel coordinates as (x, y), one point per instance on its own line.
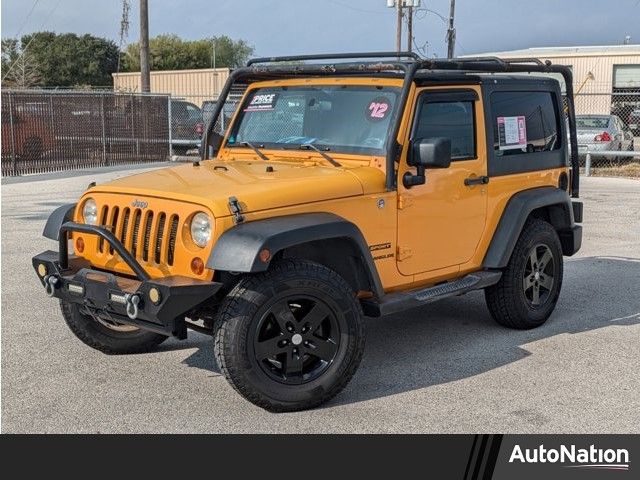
(201, 229)
(90, 212)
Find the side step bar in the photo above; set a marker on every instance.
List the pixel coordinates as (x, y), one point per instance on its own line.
(398, 301)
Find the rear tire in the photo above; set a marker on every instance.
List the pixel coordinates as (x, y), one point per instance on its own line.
(112, 339)
(528, 291)
(290, 338)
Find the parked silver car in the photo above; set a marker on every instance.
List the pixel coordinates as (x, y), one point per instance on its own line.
(601, 133)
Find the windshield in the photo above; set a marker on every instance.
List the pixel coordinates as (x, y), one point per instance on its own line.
(592, 122)
(349, 119)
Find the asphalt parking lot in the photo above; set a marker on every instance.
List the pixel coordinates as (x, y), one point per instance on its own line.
(442, 368)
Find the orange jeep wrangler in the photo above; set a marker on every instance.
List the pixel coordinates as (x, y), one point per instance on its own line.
(346, 186)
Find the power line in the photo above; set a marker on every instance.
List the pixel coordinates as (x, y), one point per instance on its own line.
(24, 50)
(422, 50)
(450, 35)
(27, 18)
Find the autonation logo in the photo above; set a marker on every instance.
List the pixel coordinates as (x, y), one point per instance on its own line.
(573, 457)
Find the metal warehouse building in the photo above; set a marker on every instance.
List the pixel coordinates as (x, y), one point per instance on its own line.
(195, 86)
(606, 78)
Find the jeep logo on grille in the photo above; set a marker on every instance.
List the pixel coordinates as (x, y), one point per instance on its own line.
(139, 204)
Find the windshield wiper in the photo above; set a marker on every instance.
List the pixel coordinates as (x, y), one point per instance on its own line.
(257, 150)
(324, 155)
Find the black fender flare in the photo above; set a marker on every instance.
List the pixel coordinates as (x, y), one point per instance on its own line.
(59, 216)
(515, 215)
(238, 249)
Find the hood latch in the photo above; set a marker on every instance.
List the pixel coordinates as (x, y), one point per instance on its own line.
(236, 211)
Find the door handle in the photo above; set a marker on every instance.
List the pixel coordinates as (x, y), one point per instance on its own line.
(483, 180)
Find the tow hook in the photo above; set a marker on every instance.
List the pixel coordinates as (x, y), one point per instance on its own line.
(50, 282)
(132, 301)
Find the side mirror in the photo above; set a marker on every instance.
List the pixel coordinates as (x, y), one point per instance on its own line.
(430, 153)
(427, 153)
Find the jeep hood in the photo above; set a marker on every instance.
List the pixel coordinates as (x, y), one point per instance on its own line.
(256, 188)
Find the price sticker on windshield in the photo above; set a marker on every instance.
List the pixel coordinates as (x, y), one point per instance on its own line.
(378, 109)
(262, 102)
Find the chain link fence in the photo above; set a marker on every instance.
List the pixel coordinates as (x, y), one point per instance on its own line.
(608, 128)
(45, 131)
(190, 115)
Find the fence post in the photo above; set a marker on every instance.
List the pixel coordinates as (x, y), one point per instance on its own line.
(169, 115)
(104, 132)
(133, 126)
(13, 136)
(587, 164)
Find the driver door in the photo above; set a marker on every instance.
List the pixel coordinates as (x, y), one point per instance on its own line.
(440, 223)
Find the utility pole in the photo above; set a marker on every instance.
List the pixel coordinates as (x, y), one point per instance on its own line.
(451, 32)
(145, 74)
(399, 26)
(410, 28)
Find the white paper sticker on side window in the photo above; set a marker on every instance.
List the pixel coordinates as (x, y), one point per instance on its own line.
(512, 133)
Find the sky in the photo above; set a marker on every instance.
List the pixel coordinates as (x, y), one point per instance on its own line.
(282, 27)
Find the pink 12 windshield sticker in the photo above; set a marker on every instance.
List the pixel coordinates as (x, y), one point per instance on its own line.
(512, 133)
(262, 102)
(378, 109)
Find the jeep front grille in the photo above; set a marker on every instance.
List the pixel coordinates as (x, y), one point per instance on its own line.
(147, 235)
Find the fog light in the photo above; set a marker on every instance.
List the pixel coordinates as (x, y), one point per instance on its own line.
(80, 244)
(154, 295)
(197, 266)
(42, 269)
(76, 288)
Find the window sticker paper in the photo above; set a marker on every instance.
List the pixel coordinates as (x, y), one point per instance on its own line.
(512, 132)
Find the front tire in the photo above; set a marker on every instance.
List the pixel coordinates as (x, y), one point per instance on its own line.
(529, 288)
(108, 337)
(290, 338)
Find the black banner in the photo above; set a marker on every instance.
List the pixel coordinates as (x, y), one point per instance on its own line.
(464, 457)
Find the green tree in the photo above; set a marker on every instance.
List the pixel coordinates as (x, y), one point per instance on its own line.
(67, 60)
(170, 52)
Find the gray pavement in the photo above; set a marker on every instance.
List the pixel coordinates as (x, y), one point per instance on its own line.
(446, 367)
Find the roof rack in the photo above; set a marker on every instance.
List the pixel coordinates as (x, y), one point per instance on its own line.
(408, 67)
(503, 61)
(335, 56)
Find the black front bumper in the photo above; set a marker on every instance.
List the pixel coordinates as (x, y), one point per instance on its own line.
(105, 294)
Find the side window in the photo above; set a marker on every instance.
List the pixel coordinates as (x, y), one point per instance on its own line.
(524, 122)
(194, 112)
(448, 119)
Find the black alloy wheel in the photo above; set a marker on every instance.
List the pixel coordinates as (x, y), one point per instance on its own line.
(296, 339)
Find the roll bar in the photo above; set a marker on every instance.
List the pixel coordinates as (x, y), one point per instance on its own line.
(255, 70)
